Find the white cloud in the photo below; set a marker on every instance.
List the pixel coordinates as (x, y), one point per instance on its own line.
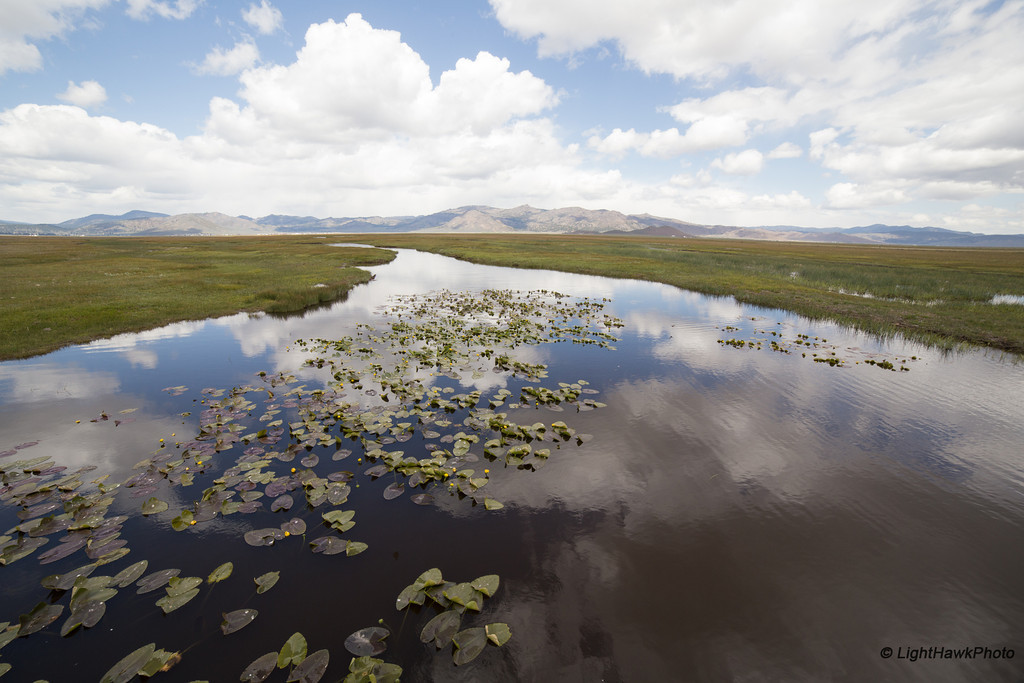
(854, 196)
(707, 133)
(902, 92)
(704, 40)
(617, 143)
(787, 150)
(179, 9)
(26, 21)
(352, 83)
(354, 126)
(264, 17)
(221, 62)
(822, 139)
(747, 162)
(791, 200)
(87, 94)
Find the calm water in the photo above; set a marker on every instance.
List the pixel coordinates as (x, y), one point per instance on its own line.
(740, 514)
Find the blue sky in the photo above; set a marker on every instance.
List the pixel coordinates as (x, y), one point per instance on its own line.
(742, 112)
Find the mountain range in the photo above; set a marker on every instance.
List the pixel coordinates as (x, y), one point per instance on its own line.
(485, 219)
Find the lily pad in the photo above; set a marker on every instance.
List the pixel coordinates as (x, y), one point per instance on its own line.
(394, 491)
(337, 494)
(423, 499)
(260, 537)
(112, 556)
(377, 471)
(8, 633)
(340, 519)
(365, 669)
(62, 550)
(239, 619)
(410, 595)
(491, 504)
(367, 642)
(465, 595)
(220, 573)
(328, 545)
(126, 669)
(266, 581)
(441, 628)
(176, 586)
(156, 580)
(469, 644)
(63, 582)
(260, 669)
(153, 506)
(294, 527)
(170, 603)
(86, 614)
(312, 668)
(431, 577)
(282, 502)
(41, 616)
(498, 633)
(488, 585)
(130, 574)
(293, 651)
(354, 548)
(162, 660)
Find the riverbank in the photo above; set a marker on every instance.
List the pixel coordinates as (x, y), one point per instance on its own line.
(938, 295)
(57, 291)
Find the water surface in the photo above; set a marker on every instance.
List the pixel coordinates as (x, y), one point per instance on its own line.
(740, 513)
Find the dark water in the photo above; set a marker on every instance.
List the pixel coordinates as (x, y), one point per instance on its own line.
(740, 514)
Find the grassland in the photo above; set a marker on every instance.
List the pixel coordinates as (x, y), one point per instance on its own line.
(936, 295)
(59, 291)
(56, 291)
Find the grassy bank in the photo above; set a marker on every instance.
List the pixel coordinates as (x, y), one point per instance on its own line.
(56, 291)
(933, 294)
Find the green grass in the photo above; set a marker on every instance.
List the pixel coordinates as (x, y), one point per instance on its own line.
(56, 291)
(936, 295)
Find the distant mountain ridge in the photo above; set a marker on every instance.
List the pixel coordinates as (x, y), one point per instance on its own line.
(486, 219)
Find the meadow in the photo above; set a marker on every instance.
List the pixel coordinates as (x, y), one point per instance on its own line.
(58, 291)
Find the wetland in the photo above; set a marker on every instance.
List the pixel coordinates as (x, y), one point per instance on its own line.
(471, 472)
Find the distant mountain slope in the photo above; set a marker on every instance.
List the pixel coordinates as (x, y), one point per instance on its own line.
(486, 219)
(102, 219)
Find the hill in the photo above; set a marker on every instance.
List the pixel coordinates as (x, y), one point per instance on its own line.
(486, 219)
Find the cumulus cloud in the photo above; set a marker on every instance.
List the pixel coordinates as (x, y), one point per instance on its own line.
(787, 150)
(221, 62)
(87, 94)
(26, 21)
(705, 134)
(350, 81)
(747, 162)
(353, 125)
(894, 89)
(264, 17)
(855, 196)
(179, 9)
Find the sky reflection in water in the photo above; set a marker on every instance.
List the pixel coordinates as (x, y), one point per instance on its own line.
(739, 513)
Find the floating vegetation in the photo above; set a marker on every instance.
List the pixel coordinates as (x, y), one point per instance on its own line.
(774, 341)
(397, 397)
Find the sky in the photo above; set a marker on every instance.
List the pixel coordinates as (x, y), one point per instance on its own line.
(813, 113)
